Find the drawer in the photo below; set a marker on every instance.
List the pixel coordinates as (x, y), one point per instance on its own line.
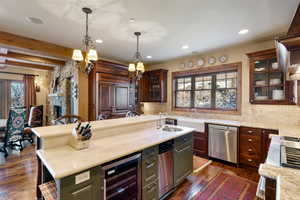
(250, 131)
(151, 151)
(252, 141)
(183, 140)
(149, 170)
(250, 150)
(249, 160)
(150, 192)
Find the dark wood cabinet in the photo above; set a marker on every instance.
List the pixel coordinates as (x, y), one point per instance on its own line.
(153, 86)
(253, 145)
(270, 189)
(111, 93)
(268, 84)
(200, 146)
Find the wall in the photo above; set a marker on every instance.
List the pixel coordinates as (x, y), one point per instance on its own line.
(42, 79)
(250, 113)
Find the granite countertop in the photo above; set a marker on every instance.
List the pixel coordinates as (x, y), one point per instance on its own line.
(287, 179)
(64, 161)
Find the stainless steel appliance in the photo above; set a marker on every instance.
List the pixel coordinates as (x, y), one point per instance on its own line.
(222, 142)
(122, 179)
(165, 166)
(290, 152)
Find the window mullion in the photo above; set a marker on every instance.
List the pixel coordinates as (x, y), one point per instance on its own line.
(193, 92)
(213, 91)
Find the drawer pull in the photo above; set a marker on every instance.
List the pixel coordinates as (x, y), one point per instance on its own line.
(249, 160)
(250, 150)
(150, 165)
(181, 150)
(249, 140)
(150, 177)
(250, 131)
(120, 190)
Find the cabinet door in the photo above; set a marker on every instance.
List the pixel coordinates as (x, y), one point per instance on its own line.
(183, 162)
(105, 97)
(121, 93)
(200, 146)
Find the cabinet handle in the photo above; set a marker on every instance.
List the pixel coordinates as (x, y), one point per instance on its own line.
(150, 165)
(263, 131)
(150, 177)
(250, 131)
(250, 150)
(181, 150)
(249, 140)
(249, 160)
(120, 190)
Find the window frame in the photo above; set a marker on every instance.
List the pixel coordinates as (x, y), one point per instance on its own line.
(209, 71)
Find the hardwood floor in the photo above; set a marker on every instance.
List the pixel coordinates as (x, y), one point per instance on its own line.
(18, 177)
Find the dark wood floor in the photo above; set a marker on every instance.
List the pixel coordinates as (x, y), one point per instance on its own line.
(18, 177)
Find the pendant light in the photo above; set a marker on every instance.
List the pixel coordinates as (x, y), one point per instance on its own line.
(88, 47)
(137, 68)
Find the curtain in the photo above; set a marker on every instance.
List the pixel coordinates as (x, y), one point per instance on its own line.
(4, 98)
(30, 94)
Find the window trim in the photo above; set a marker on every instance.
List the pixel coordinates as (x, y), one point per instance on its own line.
(207, 70)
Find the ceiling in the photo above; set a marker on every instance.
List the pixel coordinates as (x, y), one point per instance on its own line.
(166, 25)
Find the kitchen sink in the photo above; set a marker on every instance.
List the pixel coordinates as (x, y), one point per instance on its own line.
(171, 129)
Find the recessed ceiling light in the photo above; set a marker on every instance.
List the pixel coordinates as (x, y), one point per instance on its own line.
(99, 41)
(243, 31)
(131, 20)
(149, 57)
(34, 20)
(185, 47)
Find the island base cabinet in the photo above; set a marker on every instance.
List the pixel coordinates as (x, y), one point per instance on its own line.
(87, 185)
(150, 192)
(183, 158)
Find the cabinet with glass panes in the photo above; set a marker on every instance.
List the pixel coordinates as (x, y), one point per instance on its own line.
(267, 80)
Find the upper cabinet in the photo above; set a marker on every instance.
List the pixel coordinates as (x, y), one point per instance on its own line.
(268, 84)
(153, 86)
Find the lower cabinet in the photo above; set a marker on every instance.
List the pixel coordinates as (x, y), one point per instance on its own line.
(270, 189)
(150, 173)
(183, 158)
(253, 145)
(87, 185)
(200, 146)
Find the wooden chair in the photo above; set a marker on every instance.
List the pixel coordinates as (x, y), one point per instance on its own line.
(14, 129)
(35, 120)
(67, 119)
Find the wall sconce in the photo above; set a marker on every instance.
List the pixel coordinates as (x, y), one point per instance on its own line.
(37, 84)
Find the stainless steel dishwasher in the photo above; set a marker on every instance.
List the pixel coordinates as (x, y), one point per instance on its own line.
(165, 167)
(222, 142)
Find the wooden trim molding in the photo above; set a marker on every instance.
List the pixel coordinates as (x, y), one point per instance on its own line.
(200, 71)
(28, 65)
(30, 44)
(31, 58)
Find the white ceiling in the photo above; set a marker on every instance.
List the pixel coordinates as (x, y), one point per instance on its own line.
(166, 24)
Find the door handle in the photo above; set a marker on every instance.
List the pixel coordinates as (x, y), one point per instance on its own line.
(181, 150)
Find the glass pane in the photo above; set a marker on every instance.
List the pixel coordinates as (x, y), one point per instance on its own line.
(187, 83)
(261, 66)
(207, 78)
(231, 75)
(199, 78)
(17, 94)
(231, 83)
(226, 99)
(207, 85)
(183, 99)
(221, 83)
(199, 85)
(221, 76)
(203, 99)
(180, 86)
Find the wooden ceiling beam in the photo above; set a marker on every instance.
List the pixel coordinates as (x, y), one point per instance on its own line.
(31, 58)
(30, 44)
(28, 65)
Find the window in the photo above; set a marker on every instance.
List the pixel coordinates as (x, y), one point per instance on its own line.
(17, 94)
(215, 89)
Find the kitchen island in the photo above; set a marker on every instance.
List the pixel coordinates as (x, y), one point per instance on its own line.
(80, 175)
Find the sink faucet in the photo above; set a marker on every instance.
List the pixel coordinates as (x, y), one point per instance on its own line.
(159, 123)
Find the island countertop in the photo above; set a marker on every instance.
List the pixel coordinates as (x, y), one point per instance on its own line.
(64, 161)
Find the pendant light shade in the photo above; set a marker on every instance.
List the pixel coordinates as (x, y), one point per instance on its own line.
(131, 67)
(92, 55)
(140, 67)
(77, 55)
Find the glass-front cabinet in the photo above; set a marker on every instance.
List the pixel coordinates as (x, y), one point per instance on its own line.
(267, 80)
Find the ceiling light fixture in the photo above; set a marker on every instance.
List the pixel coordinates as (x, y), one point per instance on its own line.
(149, 57)
(137, 68)
(243, 31)
(99, 41)
(185, 47)
(88, 46)
(35, 20)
